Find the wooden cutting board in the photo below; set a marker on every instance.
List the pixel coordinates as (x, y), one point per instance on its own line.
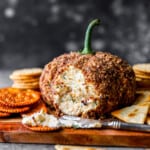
(11, 130)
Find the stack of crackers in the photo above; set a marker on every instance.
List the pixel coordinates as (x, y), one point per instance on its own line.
(142, 72)
(16, 101)
(26, 78)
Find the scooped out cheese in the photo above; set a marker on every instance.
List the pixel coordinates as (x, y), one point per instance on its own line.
(72, 94)
(41, 119)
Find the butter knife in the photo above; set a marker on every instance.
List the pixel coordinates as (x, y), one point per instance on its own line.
(78, 122)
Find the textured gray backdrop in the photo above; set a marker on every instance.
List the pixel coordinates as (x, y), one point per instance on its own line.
(33, 32)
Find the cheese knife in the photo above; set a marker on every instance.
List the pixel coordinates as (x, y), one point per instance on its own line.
(78, 122)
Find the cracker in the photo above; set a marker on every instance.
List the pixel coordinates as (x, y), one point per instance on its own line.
(26, 78)
(143, 68)
(142, 80)
(4, 114)
(20, 77)
(41, 128)
(25, 86)
(132, 114)
(26, 81)
(13, 97)
(72, 147)
(143, 76)
(141, 73)
(26, 72)
(36, 108)
(13, 110)
(32, 84)
(35, 83)
(22, 85)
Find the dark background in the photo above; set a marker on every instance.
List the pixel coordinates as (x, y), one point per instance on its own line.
(33, 32)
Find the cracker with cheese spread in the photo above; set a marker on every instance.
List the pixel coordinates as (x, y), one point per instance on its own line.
(41, 128)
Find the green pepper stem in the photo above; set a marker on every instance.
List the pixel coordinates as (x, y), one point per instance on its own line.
(87, 42)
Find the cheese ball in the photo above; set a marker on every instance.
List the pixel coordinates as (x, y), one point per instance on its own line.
(88, 86)
(86, 83)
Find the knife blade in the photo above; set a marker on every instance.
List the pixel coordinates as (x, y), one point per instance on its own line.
(78, 122)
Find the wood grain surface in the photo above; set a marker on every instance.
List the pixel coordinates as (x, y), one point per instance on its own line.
(12, 131)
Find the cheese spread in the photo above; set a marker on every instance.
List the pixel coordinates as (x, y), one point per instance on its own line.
(41, 118)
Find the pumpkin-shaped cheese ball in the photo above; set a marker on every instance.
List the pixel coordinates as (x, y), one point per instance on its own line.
(87, 84)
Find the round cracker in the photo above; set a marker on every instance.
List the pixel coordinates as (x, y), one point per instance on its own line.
(4, 114)
(26, 73)
(142, 76)
(142, 80)
(14, 97)
(22, 77)
(25, 86)
(13, 110)
(36, 108)
(144, 68)
(29, 80)
(141, 73)
(41, 128)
